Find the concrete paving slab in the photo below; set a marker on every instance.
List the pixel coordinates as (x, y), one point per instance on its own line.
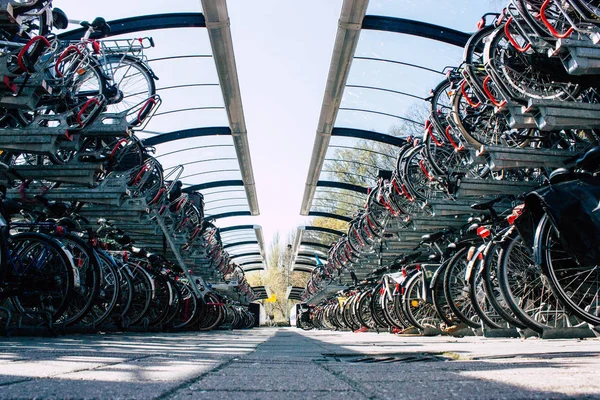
(261, 395)
(286, 363)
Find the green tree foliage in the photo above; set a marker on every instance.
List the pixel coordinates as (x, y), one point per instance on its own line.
(277, 277)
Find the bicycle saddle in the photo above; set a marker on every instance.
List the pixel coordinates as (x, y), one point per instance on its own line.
(68, 223)
(12, 207)
(99, 25)
(59, 19)
(56, 208)
(433, 237)
(124, 240)
(563, 175)
(487, 205)
(93, 158)
(590, 161)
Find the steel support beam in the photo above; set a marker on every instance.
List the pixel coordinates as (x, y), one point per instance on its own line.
(342, 185)
(369, 135)
(329, 215)
(186, 134)
(351, 19)
(229, 214)
(324, 230)
(416, 28)
(144, 23)
(217, 23)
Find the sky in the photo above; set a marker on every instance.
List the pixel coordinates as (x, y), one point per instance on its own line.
(283, 50)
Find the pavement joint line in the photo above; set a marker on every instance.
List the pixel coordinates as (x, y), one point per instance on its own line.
(183, 385)
(186, 383)
(75, 371)
(352, 383)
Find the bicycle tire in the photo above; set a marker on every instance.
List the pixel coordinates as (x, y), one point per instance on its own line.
(134, 82)
(456, 289)
(58, 282)
(576, 286)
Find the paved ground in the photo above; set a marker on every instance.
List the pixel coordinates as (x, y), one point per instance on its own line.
(291, 364)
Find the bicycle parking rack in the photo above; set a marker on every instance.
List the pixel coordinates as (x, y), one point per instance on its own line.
(83, 174)
(516, 117)
(573, 332)
(468, 187)
(580, 57)
(451, 207)
(111, 191)
(500, 332)
(500, 157)
(552, 115)
(108, 125)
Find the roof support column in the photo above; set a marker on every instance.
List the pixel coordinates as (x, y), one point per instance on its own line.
(217, 24)
(353, 12)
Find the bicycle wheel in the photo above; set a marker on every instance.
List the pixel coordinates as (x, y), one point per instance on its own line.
(44, 272)
(364, 310)
(577, 286)
(419, 310)
(82, 97)
(377, 311)
(439, 298)
(527, 75)
(456, 289)
(214, 312)
(125, 291)
(89, 275)
(108, 294)
(480, 301)
(526, 290)
(188, 309)
(159, 307)
(492, 286)
(143, 292)
(131, 85)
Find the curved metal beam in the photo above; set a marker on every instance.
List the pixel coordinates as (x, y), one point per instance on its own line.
(369, 135)
(144, 23)
(186, 134)
(416, 28)
(380, 89)
(329, 215)
(252, 269)
(251, 262)
(214, 184)
(226, 246)
(412, 121)
(237, 228)
(251, 254)
(342, 185)
(229, 214)
(306, 254)
(314, 244)
(305, 263)
(303, 269)
(324, 230)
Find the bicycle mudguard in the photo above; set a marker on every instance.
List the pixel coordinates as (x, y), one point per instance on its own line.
(574, 210)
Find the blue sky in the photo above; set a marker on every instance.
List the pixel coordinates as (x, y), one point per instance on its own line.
(283, 49)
